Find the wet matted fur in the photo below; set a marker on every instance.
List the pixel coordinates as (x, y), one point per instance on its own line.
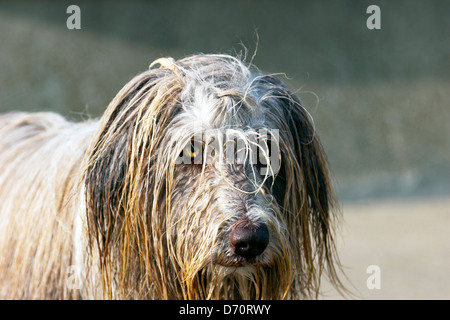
(105, 209)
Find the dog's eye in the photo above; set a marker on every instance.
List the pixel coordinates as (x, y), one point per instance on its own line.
(191, 150)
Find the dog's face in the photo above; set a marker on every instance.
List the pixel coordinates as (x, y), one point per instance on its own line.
(225, 216)
(207, 181)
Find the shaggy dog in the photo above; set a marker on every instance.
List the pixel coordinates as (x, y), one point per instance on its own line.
(202, 180)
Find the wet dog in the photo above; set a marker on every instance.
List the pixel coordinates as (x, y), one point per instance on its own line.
(203, 179)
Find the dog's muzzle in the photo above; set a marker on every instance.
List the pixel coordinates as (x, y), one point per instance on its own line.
(248, 240)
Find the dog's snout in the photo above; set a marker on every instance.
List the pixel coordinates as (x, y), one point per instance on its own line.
(249, 240)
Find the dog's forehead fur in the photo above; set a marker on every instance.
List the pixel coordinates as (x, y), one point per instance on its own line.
(218, 91)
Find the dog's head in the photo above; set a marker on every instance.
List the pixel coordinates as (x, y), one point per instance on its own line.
(206, 180)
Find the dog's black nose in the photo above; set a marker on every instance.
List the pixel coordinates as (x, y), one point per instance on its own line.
(248, 240)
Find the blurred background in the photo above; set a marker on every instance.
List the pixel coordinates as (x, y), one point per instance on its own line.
(380, 100)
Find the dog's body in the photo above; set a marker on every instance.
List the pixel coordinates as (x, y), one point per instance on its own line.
(134, 206)
(40, 160)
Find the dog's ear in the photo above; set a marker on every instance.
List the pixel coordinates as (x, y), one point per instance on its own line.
(300, 146)
(119, 173)
(108, 163)
(312, 161)
(125, 178)
(302, 186)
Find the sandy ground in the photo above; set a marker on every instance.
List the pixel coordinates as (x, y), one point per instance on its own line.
(408, 240)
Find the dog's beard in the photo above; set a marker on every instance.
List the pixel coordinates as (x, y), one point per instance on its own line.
(214, 281)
